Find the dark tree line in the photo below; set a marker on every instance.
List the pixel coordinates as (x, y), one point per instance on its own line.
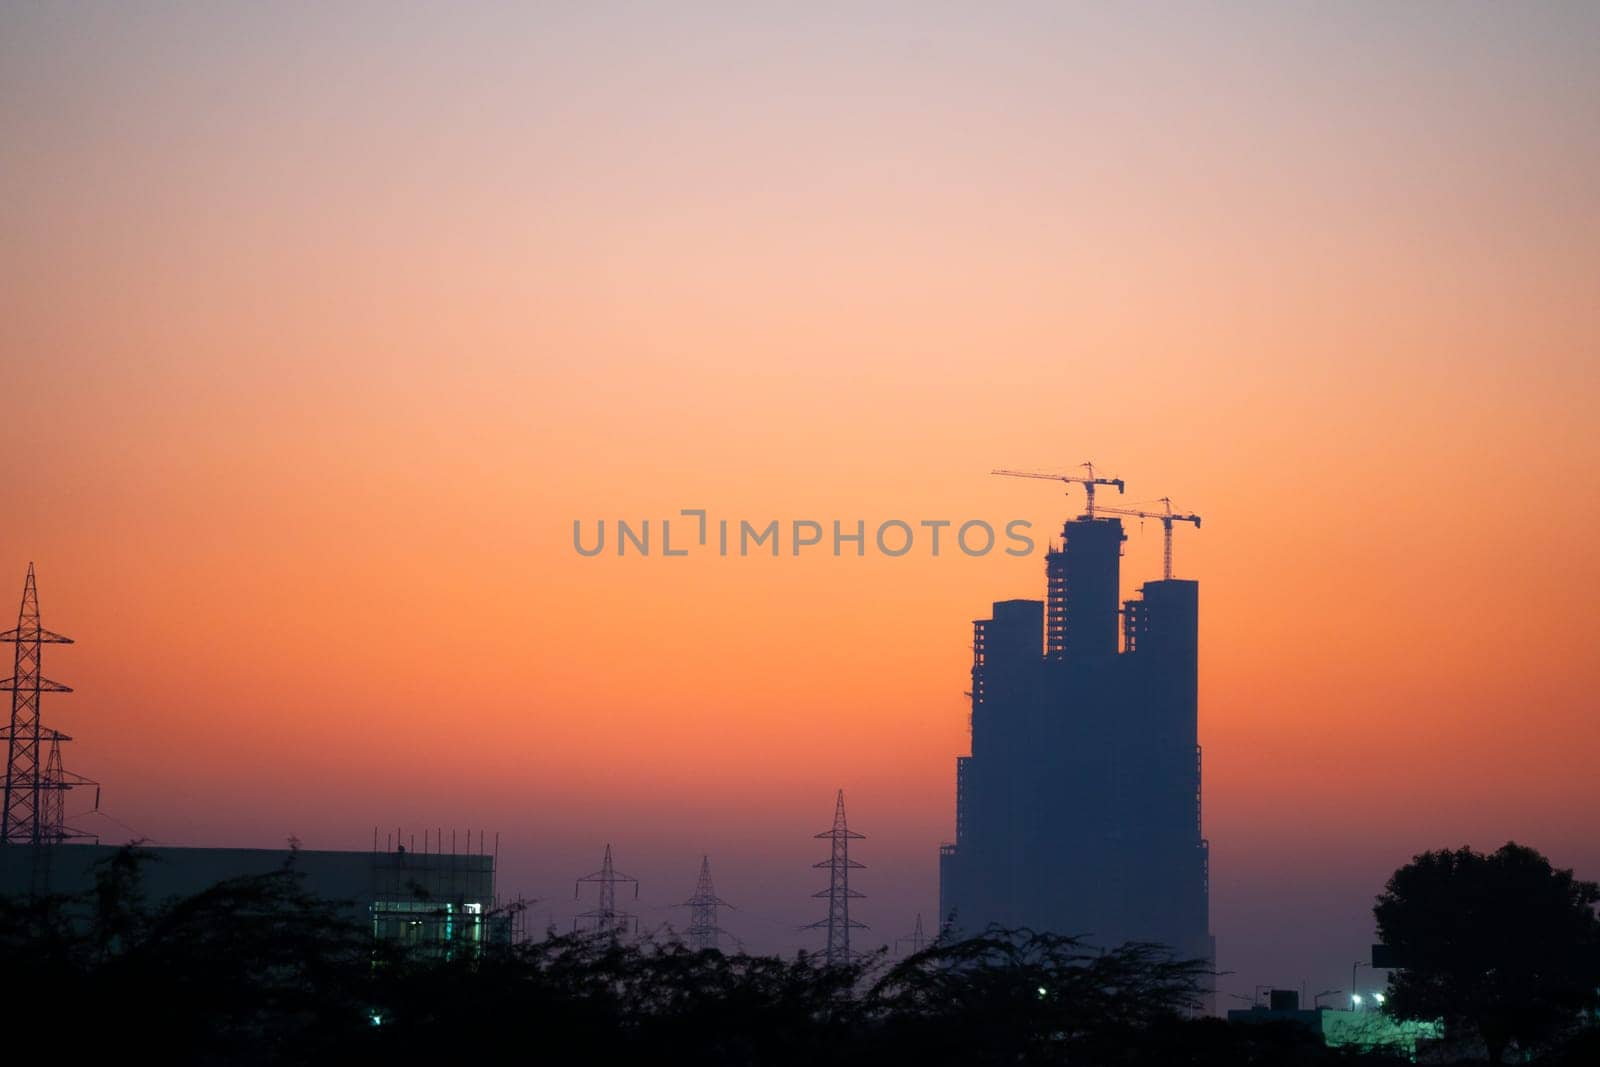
(256, 970)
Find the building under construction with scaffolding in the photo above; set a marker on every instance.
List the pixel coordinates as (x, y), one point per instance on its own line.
(1078, 807)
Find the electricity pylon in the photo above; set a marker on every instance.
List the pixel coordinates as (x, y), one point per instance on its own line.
(839, 894)
(23, 819)
(704, 933)
(917, 940)
(605, 920)
(53, 788)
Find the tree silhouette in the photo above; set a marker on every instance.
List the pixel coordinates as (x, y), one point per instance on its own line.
(250, 970)
(257, 970)
(1501, 944)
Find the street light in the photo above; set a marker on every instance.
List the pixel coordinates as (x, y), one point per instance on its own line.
(1355, 998)
(1379, 998)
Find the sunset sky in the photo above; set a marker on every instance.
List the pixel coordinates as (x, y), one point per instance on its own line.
(320, 328)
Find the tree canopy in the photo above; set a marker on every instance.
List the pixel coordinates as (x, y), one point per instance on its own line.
(1500, 944)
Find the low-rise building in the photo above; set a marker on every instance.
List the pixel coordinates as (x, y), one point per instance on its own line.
(443, 899)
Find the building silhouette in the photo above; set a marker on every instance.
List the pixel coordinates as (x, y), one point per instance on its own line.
(1078, 809)
(439, 902)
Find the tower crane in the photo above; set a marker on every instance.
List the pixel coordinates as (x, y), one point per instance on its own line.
(1088, 482)
(1167, 517)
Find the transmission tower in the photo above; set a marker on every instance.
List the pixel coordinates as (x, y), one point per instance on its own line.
(839, 894)
(704, 933)
(57, 780)
(24, 816)
(917, 940)
(606, 920)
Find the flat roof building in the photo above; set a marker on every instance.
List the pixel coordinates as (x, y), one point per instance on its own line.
(441, 899)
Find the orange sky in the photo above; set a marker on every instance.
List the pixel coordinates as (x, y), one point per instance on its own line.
(320, 330)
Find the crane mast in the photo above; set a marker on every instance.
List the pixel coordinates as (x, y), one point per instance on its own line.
(1167, 517)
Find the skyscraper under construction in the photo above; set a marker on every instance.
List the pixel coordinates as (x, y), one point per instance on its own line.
(1078, 810)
